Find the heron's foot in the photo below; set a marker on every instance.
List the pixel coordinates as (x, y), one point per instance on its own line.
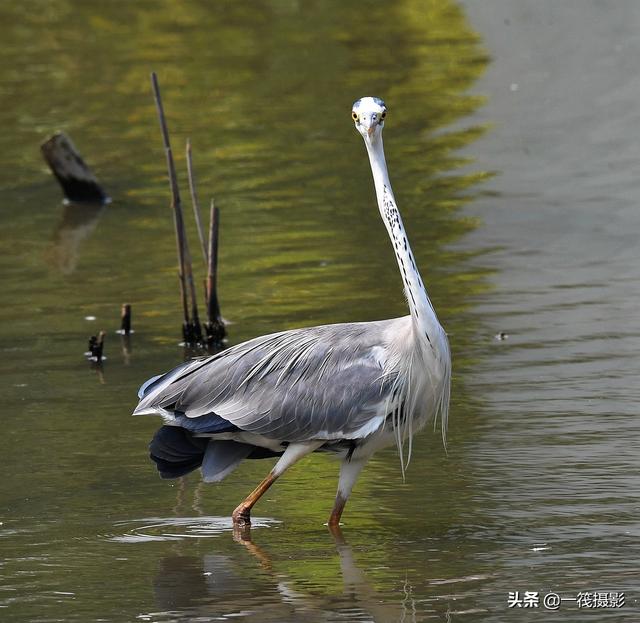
(242, 533)
(336, 532)
(241, 516)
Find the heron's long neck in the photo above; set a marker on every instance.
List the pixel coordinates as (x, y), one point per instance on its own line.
(424, 317)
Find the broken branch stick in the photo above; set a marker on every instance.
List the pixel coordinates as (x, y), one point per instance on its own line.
(96, 347)
(125, 324)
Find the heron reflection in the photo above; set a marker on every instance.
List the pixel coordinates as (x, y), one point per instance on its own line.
(222, 585)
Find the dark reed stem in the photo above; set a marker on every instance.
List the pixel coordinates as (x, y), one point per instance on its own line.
(215, 325)
(194, 202)
(191, 326)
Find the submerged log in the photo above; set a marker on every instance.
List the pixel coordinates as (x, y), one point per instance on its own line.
(78, 182)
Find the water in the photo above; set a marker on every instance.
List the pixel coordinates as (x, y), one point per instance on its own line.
(511, 145)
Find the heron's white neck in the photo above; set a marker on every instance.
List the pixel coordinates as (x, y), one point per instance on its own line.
(423, 315)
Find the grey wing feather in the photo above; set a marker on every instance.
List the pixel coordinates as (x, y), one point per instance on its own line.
(221, 458)
(326, 382)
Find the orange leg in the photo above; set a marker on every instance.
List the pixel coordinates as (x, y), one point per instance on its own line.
(293, 453)
(242, 514)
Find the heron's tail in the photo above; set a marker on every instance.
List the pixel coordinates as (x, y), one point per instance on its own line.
(176, 452)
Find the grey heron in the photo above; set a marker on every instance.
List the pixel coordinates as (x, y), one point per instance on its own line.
(348, 389)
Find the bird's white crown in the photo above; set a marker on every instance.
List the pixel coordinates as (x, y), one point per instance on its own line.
(368, 114)
(369, 105)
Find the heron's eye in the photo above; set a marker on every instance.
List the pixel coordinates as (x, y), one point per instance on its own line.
(383, 115)
(354, 115)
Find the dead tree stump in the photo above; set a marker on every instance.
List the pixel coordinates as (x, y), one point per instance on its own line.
(78, 182)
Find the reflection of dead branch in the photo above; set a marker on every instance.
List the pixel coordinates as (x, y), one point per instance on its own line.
(126, 349)
(99, 372)
(78, 223)
(197, 498)
(180, 495)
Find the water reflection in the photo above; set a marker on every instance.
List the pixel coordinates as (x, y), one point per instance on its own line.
(126, 348)
(77, 225)
(218, 585)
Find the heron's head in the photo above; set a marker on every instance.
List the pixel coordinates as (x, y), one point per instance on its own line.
(368, 113)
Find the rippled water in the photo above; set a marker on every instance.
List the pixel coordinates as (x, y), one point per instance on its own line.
(511, 144)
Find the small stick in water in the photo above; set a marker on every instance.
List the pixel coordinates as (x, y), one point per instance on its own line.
(125, 323)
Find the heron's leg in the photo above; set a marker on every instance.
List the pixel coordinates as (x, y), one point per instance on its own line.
(293, 453)
(349, 472)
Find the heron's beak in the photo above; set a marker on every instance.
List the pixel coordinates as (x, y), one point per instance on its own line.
(370, 123)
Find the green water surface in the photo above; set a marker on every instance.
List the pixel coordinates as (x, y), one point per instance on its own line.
(263, 89)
